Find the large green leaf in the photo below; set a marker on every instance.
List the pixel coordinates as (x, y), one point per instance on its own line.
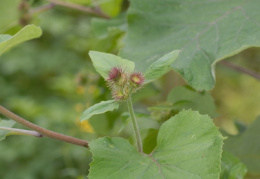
(183, 97)
(104, 62)
(5, 123)
(26, 33)
(99, 108)
(188, 146)
(246, 147)
(206, 31)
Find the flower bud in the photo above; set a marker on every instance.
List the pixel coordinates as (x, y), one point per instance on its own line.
(119, 95)
(117, 77)
(137, 79)
(123, 84)
(115, 74)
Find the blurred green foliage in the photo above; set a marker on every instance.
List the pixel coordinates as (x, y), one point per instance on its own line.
(246, 146)
(50, 81)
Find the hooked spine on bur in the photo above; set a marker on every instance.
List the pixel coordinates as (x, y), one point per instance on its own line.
(123, 83)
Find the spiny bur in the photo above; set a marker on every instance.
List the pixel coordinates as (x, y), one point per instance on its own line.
(123, 84)
(137, 78)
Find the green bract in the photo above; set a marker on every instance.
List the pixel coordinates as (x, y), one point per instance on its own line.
(188, 146)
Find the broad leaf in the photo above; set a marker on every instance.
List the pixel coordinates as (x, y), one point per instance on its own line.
(104, 62)
(26, 33)
(161, 66)
(231, 167)
(99, 108)
(5, 123)
(188, 146)
(206, 31)
(246, 147)
(186, 98)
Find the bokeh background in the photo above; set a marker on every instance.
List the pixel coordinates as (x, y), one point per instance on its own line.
(51, 81)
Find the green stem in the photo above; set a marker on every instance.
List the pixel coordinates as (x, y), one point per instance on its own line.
(135, 126)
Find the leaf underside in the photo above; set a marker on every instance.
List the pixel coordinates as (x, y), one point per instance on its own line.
(205, 31)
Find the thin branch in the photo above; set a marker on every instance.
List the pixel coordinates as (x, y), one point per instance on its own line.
(42, 8)
(241, 69)
(21, 131)
(94, 11)
(43, 131)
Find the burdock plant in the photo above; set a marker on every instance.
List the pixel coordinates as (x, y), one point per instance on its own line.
(124, 80)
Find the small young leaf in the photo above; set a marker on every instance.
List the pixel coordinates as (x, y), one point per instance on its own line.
(188, 146)
(5, 123)
(99, 108)
(104, 62)
(161, 66)
(27, 33)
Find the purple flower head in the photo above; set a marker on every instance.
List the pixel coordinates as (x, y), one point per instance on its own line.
(114, 74)
(137, 78)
